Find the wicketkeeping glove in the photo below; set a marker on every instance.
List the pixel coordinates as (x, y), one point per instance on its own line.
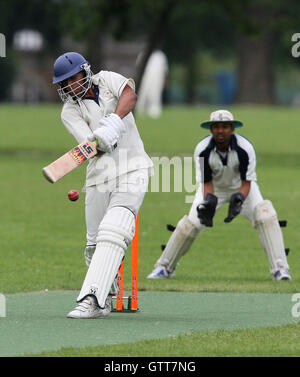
(235, 206)
(207, 209)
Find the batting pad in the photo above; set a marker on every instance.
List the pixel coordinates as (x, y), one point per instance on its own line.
(179, 243)
(115, 233)
(270, 235)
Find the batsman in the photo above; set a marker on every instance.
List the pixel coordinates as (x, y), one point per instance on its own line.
(226, 172)
(98, 107)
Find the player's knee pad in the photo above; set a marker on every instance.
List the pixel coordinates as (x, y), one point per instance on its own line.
(115, 233)
(264, 213)
(270, 235)
(179, 243)
(117, 226)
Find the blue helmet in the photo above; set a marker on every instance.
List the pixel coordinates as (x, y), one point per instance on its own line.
(67, 65)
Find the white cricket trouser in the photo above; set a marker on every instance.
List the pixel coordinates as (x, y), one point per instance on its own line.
(275, 251)
(127, 190)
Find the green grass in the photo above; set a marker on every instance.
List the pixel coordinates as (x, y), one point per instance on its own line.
(43, 234)
(278, 341)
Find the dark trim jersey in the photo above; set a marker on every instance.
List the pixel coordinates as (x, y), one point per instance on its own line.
(226, 170)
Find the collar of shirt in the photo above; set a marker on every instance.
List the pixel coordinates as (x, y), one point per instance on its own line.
(217, 150)
(223, 155)
(96, 94)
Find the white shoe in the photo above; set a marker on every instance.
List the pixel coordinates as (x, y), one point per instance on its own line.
(160, 272)
(88, 308)
(282, 275)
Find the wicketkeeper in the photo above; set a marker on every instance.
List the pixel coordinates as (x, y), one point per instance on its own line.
(98, 107)
(228, 175)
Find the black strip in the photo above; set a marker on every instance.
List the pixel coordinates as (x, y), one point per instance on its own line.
(223, 159)
(242, 156)
(205, 154)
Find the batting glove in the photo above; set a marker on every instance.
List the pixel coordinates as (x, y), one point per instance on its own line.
(110, 132)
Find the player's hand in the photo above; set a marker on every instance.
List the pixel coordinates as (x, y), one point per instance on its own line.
(235, 206)
(113, 121)
(110, 132)
(95, 140)
(207, 209)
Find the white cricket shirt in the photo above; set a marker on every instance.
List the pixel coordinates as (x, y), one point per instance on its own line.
(225, 170)
(82, 118)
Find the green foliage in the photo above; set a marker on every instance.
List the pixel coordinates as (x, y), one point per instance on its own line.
(31, 14)
(182, 29)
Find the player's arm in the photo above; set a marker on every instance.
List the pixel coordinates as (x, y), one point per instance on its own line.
(236, 201)
(112, 127)
(208, 188)
(245, 188)
(206, 210)
(247, 171)
(75, 124)
(126, 102)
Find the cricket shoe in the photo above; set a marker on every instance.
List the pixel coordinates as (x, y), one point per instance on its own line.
(88, 309)
(282, 275)
(160, 272)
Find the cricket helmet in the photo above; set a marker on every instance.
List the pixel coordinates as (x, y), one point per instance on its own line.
(66, 66)
(223, 116)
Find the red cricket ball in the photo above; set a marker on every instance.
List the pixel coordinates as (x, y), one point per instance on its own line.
(73, 195)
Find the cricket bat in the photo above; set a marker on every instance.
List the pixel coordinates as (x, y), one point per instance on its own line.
(70, 160)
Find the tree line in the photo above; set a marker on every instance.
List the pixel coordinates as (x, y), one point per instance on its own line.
(256, 32)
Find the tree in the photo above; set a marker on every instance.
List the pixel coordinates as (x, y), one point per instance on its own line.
(157, 13)
(88, 19)
(258, 27)
(252, 31)
(26, 14)
(196, 26)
